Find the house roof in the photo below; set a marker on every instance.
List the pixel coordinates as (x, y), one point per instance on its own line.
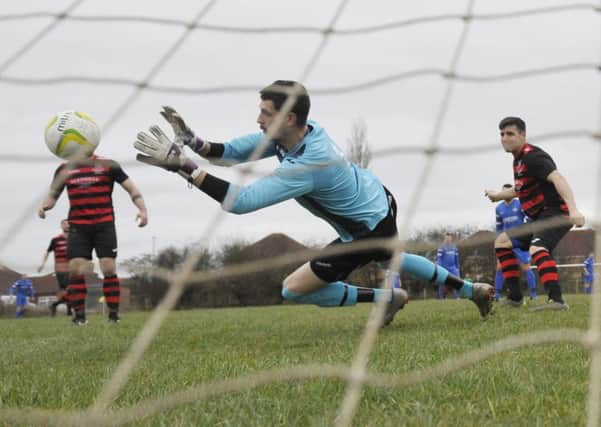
(7, 278)
(271, 246)
(578, 242)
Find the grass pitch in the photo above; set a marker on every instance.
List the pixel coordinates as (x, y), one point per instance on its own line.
(47, 364)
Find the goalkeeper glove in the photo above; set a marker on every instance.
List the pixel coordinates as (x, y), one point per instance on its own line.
(160, 151)
(183, 134)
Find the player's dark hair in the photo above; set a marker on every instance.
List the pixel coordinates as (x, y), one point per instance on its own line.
(513, 121)
(278, 91)
(507, 185)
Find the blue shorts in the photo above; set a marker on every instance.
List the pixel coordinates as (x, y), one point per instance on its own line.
(588, 279)
(21, 300)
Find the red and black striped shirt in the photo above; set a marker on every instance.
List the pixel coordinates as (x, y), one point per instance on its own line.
(58, 244)
(89, 186)
(531, 167)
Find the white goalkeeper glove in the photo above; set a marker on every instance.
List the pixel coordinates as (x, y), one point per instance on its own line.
(160, 151)
(183, 134)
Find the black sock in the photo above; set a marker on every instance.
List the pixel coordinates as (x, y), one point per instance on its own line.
(510, 268)
(365, 295)
(547, 271)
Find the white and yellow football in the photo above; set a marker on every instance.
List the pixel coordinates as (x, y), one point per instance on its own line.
(72, 134)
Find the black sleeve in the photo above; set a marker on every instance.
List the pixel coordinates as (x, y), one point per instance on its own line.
(540, 164)
(51, 246)
(214, 187)
(215, 150)
(117, 172)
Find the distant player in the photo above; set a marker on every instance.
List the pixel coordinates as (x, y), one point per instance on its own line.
(547, 198)
(509, 215)
(447, 256)
(89, 184)
(58, 245)
(23, 289)
(589, 273)
(314, 171)
(385, 273)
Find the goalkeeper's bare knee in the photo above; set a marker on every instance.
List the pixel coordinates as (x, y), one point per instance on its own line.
(289, 295)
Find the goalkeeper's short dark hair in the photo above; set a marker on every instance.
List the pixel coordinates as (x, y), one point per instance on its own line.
(513, 121)
(278, 91)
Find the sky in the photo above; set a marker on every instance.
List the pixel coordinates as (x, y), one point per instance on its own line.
(399, 112)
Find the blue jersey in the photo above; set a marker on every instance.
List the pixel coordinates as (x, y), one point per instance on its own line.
(588, 266)
(509, 215)
(448, 257)
(315, 173)
(22, 288)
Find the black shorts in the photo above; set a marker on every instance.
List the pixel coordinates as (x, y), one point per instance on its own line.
(338, 267)
(100, 237)
(62, 277)
(546, 231)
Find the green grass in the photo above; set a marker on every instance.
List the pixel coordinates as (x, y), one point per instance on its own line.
(47, 364)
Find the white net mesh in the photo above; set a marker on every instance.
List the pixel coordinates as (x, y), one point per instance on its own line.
(439, 139)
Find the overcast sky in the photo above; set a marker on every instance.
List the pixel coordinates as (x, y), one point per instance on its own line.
(399, 112)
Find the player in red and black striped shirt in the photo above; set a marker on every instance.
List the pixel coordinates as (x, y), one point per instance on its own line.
(89, 184)
(546, 197)
(58, 245)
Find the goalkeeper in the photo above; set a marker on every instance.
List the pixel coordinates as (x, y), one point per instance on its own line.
(313, 171)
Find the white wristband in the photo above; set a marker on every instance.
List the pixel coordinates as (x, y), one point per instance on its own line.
(195, 173)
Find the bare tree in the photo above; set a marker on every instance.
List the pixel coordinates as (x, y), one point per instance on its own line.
(358, 144)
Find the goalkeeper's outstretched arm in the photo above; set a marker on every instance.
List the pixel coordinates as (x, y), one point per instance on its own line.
(185, 136)
(289, 181)
(235, 151)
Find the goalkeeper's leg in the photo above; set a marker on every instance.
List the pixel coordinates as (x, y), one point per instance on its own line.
(305, 287)
(423, 268)
(480, 293)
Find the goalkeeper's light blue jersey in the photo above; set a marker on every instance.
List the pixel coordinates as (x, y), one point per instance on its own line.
(509, 216)
(316, 174)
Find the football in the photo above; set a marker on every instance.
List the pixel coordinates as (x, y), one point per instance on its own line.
(72, 134)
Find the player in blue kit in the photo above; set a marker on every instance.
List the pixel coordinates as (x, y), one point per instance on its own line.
(23, 288)
(314, 172)
(589, 273)
(509, 215)
(447, 256)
